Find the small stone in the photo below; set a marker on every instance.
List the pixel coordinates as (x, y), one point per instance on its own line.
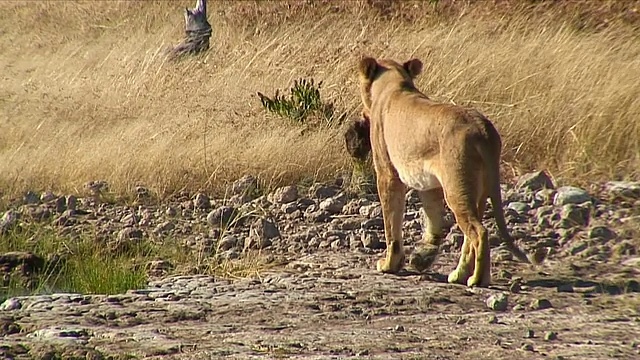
(455, 239)
(230, 254)
(518, 307)
(164, 227)
(623, 189)
(372, 224)
(371, 211)
(633, 262)
(186, 205)
(129, 220)
(572, 215)
(72, 203)
(515, 286)
(10, 305)
(289, 208)
(61, 205)
(171, 211)
(47, 196)
(97, 187)
(527, 347)
(158, 267)
(65, 219)
(461, 321)
(354, 242)
(398, 328)
(541, 304)
(505, 274)
(228, 242)
(129, 233)
(519, 207)
(283, 195)
(245, 186)
(201, 201)
(264, 228)
(498, 302)
(320, 191)
(529, 334)
(371, 240)
(578, 247)
(260, 234)
(535, 181)
(348, 224)
(319, 216)
(8, 221)
(352, 207)
(625, 248)
(221, 217)
(544, 197)
(493, 319)
(550, 336)
(31, 198)
(334, 204)
(256, 242)
(601, 233)
(570, 195)
(238, 200)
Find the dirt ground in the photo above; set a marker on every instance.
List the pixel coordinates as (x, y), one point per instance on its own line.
(334, 305)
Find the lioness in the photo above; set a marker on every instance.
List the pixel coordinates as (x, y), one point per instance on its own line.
(444, 152)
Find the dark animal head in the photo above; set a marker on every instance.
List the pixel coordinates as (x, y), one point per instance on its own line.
(196, 19)
(197, 31)
(357, 138)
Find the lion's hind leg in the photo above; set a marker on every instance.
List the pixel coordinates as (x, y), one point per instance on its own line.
(464, 202)
(392, 191)
(429, 248)
(482, 269)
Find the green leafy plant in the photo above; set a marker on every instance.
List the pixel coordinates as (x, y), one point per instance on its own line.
(303, 101)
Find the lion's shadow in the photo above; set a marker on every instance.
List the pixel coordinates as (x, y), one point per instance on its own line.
(586, 286)
(576, 285)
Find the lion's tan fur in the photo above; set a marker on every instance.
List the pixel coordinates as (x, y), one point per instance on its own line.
(444, 152)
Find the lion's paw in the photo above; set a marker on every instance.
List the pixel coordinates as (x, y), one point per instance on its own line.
(391, 267)
(478, 281)
(422, 258)
(455, 277)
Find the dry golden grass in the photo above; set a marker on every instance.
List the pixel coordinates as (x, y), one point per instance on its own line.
(86, 93)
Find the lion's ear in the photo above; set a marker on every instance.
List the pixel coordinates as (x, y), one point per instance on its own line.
(368, 67)
(413, 67)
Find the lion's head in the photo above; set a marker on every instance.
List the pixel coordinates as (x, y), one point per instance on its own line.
(382, 72)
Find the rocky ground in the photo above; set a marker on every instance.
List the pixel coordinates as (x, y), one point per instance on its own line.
(321, 297)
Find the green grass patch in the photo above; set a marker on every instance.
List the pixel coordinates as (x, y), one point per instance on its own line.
(59, 260)
(70, 263)
(303, 101)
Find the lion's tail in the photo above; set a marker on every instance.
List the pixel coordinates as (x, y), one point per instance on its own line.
(492, 165)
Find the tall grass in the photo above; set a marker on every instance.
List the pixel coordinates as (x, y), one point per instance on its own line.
(86, 93)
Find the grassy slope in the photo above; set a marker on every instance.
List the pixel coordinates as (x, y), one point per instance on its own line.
(85, 93)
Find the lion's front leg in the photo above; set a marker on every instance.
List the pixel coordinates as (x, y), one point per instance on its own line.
(391, 191)
(433, 211)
